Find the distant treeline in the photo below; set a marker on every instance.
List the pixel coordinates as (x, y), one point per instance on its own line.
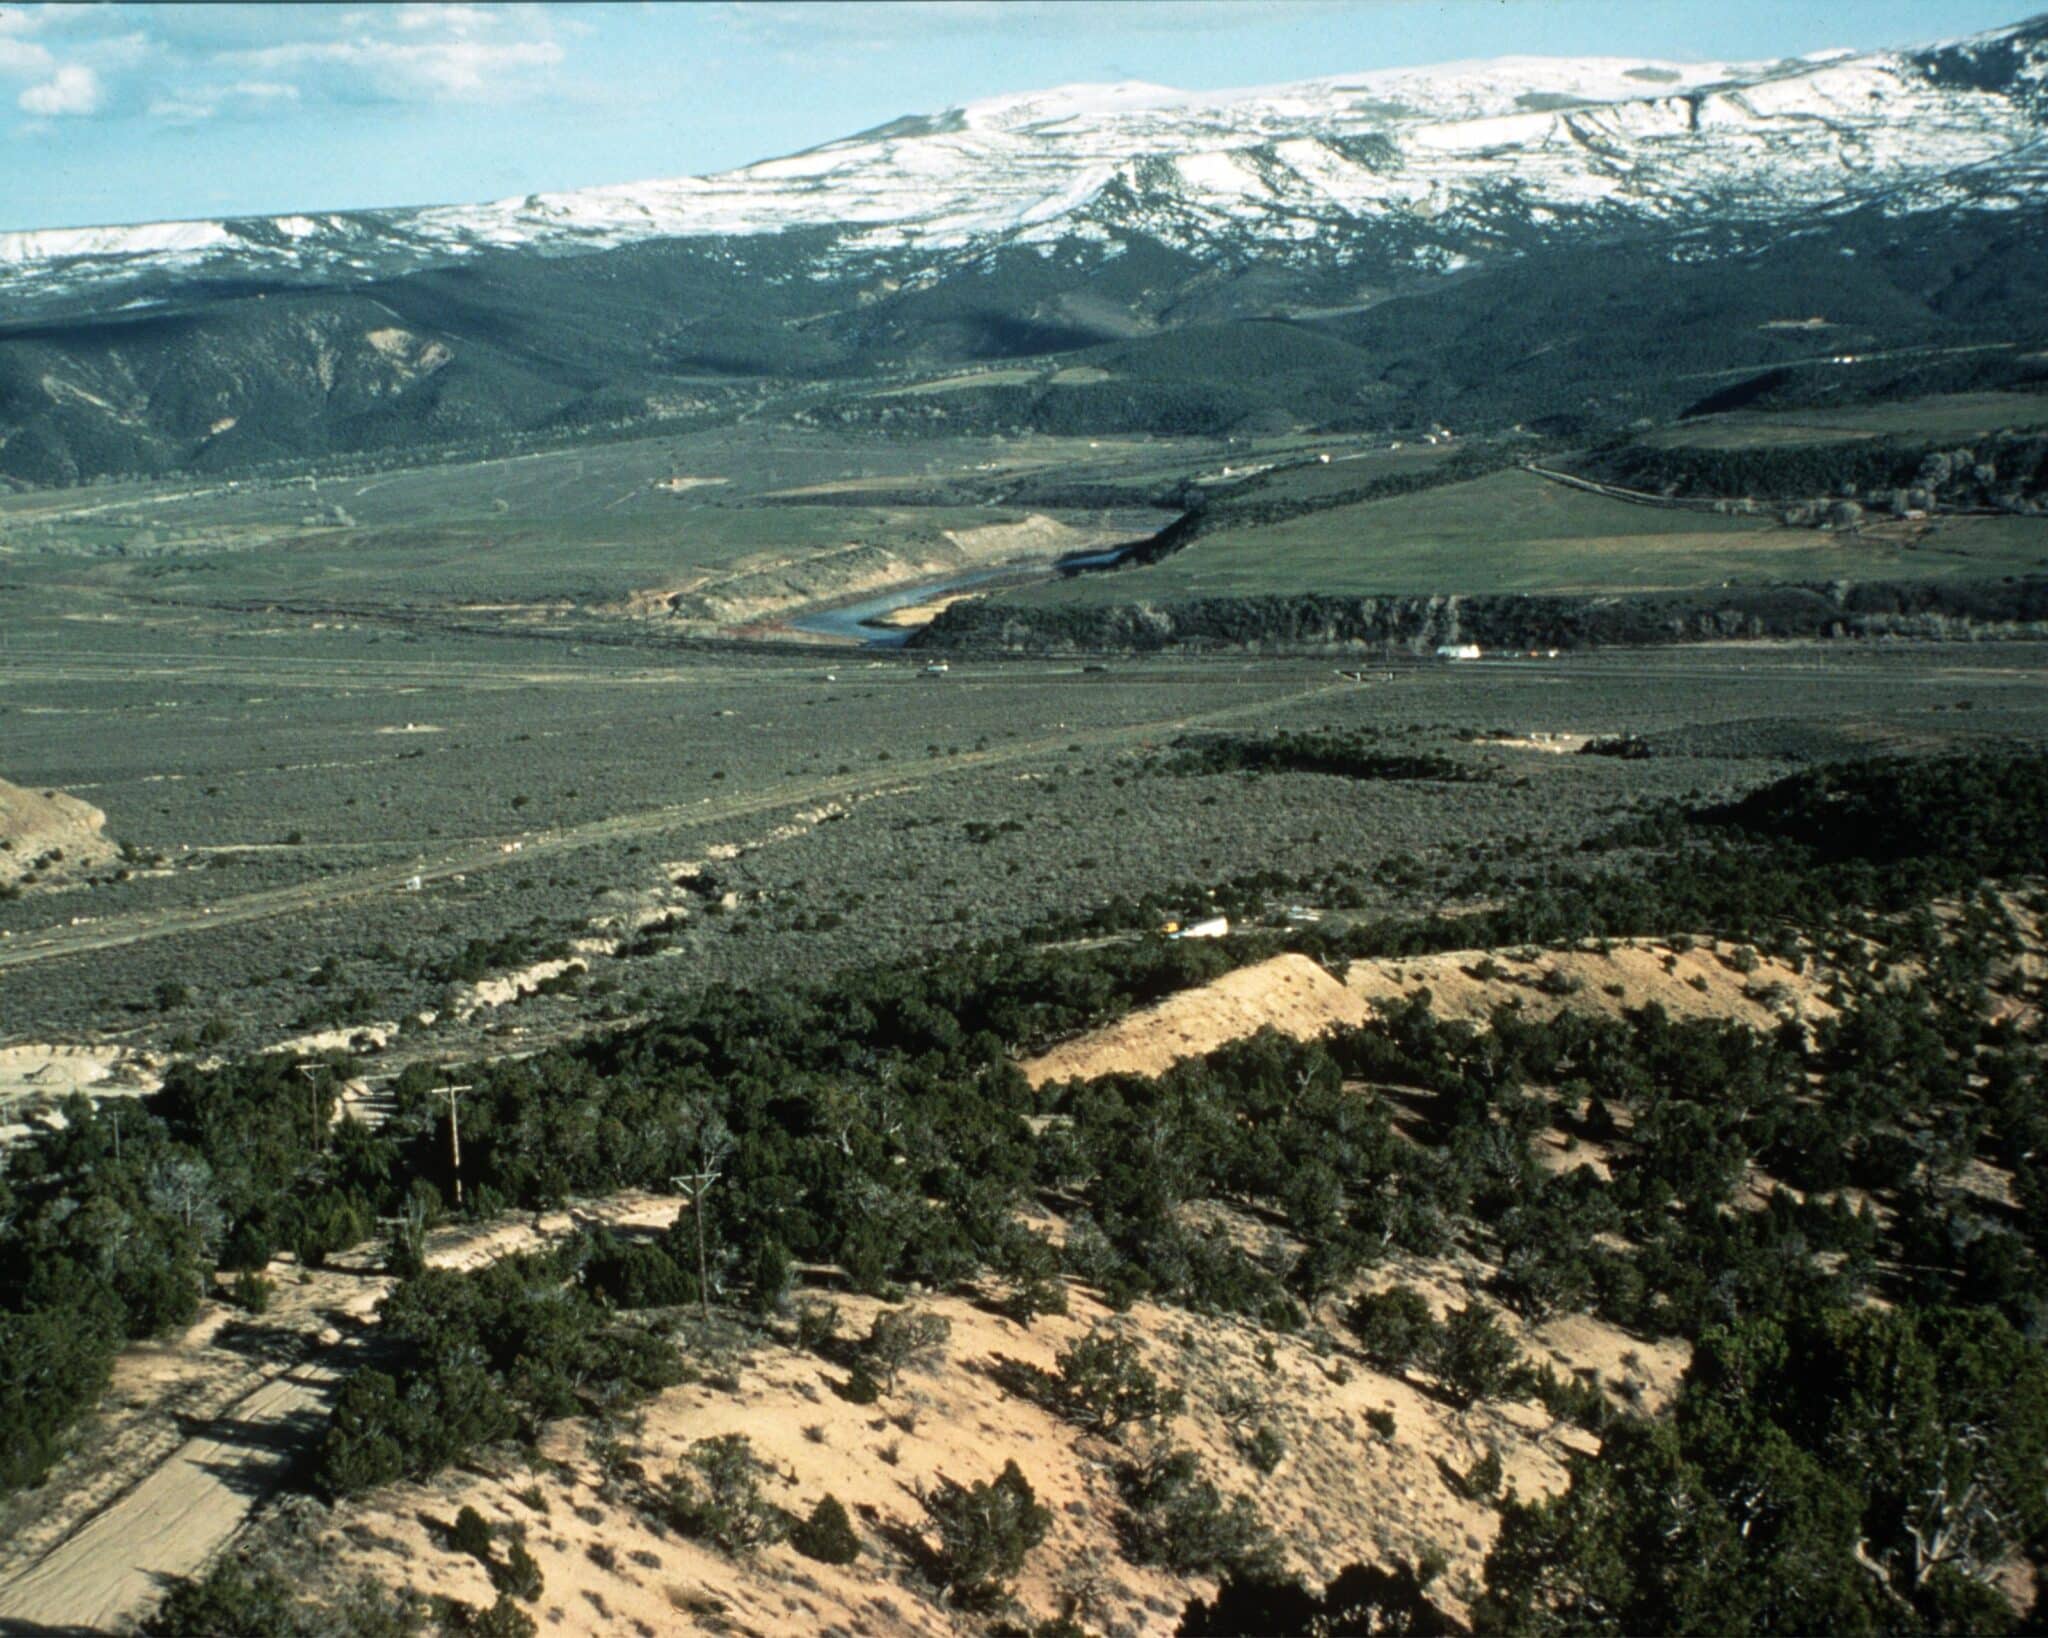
(1420, 623)
(2007, 470)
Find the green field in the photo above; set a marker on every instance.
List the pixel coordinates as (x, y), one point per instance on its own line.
(1515, 532)
(1949, 415)
(578, 526)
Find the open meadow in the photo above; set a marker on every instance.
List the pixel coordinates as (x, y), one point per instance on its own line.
(1514, 531)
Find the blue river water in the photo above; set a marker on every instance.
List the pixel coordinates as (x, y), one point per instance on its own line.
(854, 619)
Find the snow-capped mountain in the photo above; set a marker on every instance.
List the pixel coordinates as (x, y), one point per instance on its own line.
(1448, 159)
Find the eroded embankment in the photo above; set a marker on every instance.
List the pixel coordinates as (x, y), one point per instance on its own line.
(1293, 995)
(1957, 609)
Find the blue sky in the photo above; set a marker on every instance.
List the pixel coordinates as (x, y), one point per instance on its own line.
(119, 113)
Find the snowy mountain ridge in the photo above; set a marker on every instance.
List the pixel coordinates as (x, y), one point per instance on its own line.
(1454, 160)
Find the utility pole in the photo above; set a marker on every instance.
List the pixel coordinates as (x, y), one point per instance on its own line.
(312, 1074)
(692, 1187)
(454, 1134)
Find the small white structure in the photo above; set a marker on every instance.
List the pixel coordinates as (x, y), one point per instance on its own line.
(1457, 651)
(412, 884)
(1214, 927)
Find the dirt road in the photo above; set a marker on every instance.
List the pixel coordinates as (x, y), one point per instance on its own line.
(485, 854)
(179, 1502)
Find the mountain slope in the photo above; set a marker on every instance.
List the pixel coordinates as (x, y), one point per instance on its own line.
(1028, 225)
(1467, 151)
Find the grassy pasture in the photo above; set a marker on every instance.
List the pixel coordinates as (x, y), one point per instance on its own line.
(1948, 415)
(1511, 531)
(580, 525)
(527, 560)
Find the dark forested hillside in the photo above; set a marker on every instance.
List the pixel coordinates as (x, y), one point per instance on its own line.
(1581, 337)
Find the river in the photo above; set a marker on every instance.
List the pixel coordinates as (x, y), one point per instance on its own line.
(855, 620)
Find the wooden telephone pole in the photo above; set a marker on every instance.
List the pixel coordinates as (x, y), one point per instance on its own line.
(692, 1187)
(312, 1073)
(451, 1093)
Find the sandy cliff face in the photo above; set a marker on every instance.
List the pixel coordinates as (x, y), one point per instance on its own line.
(46, 835)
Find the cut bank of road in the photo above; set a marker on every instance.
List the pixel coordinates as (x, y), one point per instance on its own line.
(115, 931)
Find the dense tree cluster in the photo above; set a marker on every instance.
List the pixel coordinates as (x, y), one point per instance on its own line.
(1346, 754)
(1842, 1471)
(483, 1356)
(879, 1126)
(110, 1226)
(2005, 472)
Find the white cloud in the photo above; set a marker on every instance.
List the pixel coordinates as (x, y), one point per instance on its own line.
(376, 70)
(195, 62)
(246, 97)
(19, 56)
(453, 19)
(73, 89)
(182, 110)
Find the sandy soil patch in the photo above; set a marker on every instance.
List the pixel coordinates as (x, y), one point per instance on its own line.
(1035, 536)
(513, 986)
(1290, 993)
(1704, 981)
(36, 1074)
(767, 585)
(921, 614)
(1340, 1493)
(48, 832)
(348, 1038)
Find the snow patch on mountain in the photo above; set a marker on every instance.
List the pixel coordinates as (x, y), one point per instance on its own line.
(1463, 153)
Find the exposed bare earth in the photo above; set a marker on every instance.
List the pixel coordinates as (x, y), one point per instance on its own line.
(1290, 993)
(1687, 978)
(38, 1075)
(1341, 1493)
(49, 834)
(774, 583)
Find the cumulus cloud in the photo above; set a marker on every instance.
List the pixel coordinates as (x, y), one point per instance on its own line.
(195, 62)
(74, 90)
